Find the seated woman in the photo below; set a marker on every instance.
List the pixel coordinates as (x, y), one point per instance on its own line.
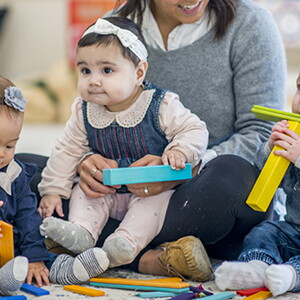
(222, 57)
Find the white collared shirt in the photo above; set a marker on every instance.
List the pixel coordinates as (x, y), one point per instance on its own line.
(181, 36)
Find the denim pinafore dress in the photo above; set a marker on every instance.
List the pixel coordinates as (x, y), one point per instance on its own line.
(126, 145)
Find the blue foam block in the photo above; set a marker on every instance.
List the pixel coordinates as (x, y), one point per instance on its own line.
(19, 297)
(157, 294)
(34, 290)
(129, 175)
(221, 296)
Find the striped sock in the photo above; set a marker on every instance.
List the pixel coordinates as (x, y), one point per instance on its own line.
(13, 275)
(69, 270)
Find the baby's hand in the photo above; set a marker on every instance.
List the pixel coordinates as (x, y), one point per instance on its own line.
(48, 204)
(174, 158)
(39, 272)
(277, 129)
(290, 142)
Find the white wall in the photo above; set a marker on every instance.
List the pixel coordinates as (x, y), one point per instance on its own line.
(33, 37)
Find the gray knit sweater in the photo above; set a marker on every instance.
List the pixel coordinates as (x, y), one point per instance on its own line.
(220, 80)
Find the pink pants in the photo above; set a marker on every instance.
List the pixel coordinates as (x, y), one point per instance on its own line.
(142, 218)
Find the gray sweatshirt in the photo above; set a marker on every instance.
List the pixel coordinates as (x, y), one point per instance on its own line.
(220, 80)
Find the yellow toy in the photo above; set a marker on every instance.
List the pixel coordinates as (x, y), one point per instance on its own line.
(84, 290)
(6, 243)
(140, 282)
(259, 296)
(275, 167)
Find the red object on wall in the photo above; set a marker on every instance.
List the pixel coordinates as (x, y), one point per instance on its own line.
(82, 13)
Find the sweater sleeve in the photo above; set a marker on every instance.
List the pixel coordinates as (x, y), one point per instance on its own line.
(259, 72)
(184, 130)
(27, 219)
(57, 177)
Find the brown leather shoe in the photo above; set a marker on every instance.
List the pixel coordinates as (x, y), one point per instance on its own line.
(186, 258)
(56, 248)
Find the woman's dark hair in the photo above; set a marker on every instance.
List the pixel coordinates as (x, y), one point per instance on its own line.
(224, 11)
(99, 39)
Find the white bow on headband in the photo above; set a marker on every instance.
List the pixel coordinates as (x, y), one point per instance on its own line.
(126, 37)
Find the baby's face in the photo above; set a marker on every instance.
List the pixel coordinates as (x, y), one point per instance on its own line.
(10, 128)
(296, 100)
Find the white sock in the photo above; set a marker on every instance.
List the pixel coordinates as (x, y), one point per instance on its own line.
(70, 235)
(69, 270)
(119, 251)
(240, 275)
(280, 279)
(13, 275)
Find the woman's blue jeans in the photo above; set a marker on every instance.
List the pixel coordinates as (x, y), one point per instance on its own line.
(273, 242)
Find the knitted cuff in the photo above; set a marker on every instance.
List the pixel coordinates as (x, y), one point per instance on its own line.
(256, 255)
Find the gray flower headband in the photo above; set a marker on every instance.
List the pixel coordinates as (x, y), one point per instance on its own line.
(14, 98)
(126, 37)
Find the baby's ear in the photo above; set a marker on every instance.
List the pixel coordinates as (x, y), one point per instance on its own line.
(141, 71)
(296, 99)
(296, 103)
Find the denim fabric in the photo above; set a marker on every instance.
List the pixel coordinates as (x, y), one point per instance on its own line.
(274, 242)
(126, 145)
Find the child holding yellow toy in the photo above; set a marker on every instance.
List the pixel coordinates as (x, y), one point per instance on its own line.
(271, 253)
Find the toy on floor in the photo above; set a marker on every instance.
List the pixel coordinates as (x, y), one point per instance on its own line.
(193, 293)
(259, 296)
(144, 285)
(221, 296)
(84, 290)
(34, 290)
(275, 167)
(19, 297)
(145, 174)
(6, 243)
(250, 292)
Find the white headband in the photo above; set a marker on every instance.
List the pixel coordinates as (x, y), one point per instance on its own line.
(126, 37)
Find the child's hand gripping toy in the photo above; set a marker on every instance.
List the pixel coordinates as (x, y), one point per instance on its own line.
(275, 167)
(145, 174)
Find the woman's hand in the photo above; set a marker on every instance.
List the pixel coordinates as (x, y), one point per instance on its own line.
(49, 204)
(154, 188)
(90, 172)
(39, 272)
(150, 188)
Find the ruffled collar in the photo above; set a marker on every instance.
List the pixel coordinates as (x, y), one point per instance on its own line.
(99, 117)
(7, 177)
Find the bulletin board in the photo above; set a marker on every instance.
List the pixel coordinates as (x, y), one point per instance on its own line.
(82, 13)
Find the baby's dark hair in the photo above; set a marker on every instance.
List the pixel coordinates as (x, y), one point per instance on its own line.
(99, 39)
(4, 84)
